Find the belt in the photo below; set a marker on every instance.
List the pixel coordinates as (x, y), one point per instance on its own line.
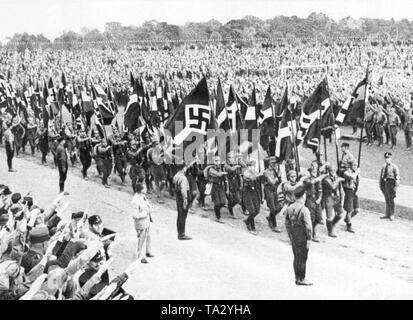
(388, 179)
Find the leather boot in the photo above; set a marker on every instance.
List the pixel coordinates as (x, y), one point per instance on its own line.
(350, 228)
(330, 229)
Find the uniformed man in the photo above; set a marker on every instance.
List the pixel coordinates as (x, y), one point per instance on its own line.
(119, 152)
(379, 122)
(217, 177)
(155, 158)
(234, 183)
(251, 195)
(299, 228)
(408, 126)
(314, 195)
(145, 144)
(97, 231)
(182, 196)
(332, 198)
(85, 155)
(394, 122)
(19, 134)
(271, 181)
(104, 161)
(70, 137)
(52, 141)
(346, 157)
(32, 134)
(8, 141)
(43, 143)
(96, 141)
(136, 172)
(389, 182)
(351, 201)
(62, 161)
(39, 239)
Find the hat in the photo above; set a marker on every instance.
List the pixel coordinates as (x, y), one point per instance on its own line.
(388, 155)
(4, 218)
(4, 190)
(345, 144)
(77, 215)
(28, 200)
(299, 191)
(39, 234)
(290, 173)
(95, 219)
(16, 197)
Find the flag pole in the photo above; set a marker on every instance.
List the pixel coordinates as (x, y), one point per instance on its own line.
(335, 133)
(296, 156)
(362, 126)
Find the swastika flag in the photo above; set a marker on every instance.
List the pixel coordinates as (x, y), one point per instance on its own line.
(194, 114)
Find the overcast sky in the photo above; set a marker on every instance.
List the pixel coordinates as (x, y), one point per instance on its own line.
(51, 17)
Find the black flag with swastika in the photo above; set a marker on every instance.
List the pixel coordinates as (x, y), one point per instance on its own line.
(194, 113)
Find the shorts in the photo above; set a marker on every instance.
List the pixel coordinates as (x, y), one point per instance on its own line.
(351, 200)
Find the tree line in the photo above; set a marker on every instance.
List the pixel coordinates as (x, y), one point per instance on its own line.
(245, 31)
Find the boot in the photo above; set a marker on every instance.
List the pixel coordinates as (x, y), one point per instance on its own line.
(350, 228)
(330, 229)
(247, 223)
(270, 224)
(231, 212)
(315, 237)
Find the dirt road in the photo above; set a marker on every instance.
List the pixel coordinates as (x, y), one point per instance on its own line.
(224, 261)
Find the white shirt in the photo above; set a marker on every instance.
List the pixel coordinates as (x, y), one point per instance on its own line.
(141, 213)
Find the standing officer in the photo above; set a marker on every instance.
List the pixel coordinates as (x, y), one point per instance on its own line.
(272, 179)
(394, 122)
(299, 229)
(181, 184)
(62, 162)
(8, 140)
(389, 182)
(104, 161)
(85, 147)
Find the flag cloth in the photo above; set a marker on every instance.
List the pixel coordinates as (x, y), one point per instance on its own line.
(354, 106)
(284, 143)
(233, 109)
(266, 119)
(317, 106)
(131, 115)
(101, 105)
(358, 104)
(221, 114)
(194, 112)
(251, 112)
